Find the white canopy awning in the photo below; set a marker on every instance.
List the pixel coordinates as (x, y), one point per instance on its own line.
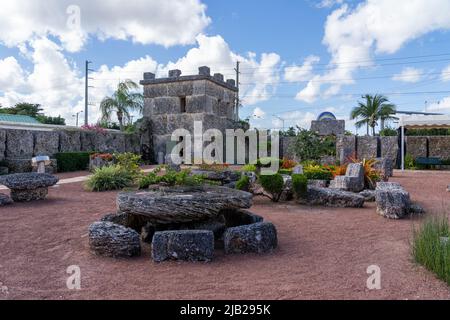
(420, 122)
(425, 121)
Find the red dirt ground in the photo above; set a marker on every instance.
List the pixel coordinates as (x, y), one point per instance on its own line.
(323, 253)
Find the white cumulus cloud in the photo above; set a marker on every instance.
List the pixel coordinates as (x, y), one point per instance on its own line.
(301, 73)
(162, 22)
(259, 113)
(58, 84)
(354, 35)
(441, 106)
(408, 74)
(445, 76)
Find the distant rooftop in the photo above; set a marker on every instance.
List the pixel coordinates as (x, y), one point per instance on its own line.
(204, 73)
(17, 118)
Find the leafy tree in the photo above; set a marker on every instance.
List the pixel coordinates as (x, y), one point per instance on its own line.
(310, 146)
(24, 109)
(51, 120)
(291, 132)
(122, 102)
(387, 132)
(374, 108)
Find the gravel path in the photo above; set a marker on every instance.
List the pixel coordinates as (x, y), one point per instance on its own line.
(323, 253)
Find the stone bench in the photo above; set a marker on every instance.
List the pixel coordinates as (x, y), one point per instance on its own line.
(352, 181)
(187, 245)
(113, 240)
(334, 198)
(253, 238)
(392, 200)
(29, 186)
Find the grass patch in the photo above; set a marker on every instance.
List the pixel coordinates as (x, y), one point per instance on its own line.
(429, 249)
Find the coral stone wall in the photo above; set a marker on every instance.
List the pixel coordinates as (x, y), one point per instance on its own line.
(24, 144)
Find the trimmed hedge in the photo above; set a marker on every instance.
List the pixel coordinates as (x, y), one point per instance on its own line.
(72, 161)
(300, 185)
(273, 184)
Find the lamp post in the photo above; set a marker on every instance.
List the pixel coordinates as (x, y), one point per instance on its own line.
(77, 115)
(282, 120)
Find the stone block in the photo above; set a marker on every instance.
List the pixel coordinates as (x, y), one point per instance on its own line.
(180, 89)
(201, 104)
(392, 200)
(155, 90)
(70, 141)
(187, 245)
(385, 167)
(88, 141)
(19, 143)
(19, 165)
(132, 143)
(46, 143)
(328, 127)
(113, 240)
(416, 146)
(2, 144)
(254, 238)
(367, 147)
(389, 148)
(204, 71)
(439, 146)
(353, 179)
(5, 200)
(166, 105)
(113, 143)
(334, 198)
(345, 148)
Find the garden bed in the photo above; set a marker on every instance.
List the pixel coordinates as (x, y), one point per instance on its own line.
(323, 253)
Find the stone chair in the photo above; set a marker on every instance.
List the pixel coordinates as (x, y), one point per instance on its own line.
(353, 179)
(29, 186)
(392, 200)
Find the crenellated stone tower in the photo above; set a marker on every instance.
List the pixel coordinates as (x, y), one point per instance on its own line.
(177, 101)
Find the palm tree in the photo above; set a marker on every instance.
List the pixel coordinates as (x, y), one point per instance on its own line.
(123, 101)
(374, 108)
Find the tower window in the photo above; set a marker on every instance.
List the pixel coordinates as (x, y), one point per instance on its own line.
(183, 104)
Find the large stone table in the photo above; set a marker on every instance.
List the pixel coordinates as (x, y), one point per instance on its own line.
(29, 186)
(164, 205)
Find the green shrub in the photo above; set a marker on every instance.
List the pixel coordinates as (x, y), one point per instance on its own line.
(285, 171)
(272, 184)
(300, 185)
(309, 145)
(429, 250)
(129, 162)
(243, 183)
(410, 163)
(72, 161)
(249, 168)
(317, 173)
(109, 178)
(171, 178)
(388, 132)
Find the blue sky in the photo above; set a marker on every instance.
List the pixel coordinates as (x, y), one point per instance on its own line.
(299, 58)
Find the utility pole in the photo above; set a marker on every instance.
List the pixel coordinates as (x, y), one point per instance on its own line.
(86, 93)
(237, 86)
(76, 115)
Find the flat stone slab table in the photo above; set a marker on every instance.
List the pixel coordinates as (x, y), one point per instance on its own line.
(165, 205)
(29, 186)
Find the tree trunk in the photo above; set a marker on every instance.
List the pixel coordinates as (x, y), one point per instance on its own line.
(120, 118)
(373, 131)
(367, 129)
